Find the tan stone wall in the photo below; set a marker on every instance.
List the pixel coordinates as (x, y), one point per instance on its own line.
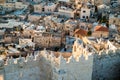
(100, 2)
(50, 8)
(38, 8)
(8, 39)
(115, 21)
(67, 13)
(2, 1)
(20, 5)
(47, 41)
(32, 68)
(33, 17)
(99, 33)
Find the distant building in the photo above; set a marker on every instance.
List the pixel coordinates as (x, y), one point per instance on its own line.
(70, 26)
(44, 7)
(20, 5)
(37, 1)
(114, 19)
(79, 33)
(100, 2)
(34, 17)
(38, 8)
(65, 11)
(47, 40)
(100, 31)
(13, 6)
(2, 1)
(8, 6)
(26, 42)
(11, 1)
(64, 0)
(85, 13)
(50, 7)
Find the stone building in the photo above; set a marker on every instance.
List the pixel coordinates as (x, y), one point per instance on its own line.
(12, 6)
(84, 13)
(105, 63)
(100, 31)
(2, 1)
(114, 19)
(26, 42)
(70, 26)
(79, 33)
(38, 8)
(20, 5)
(8, 6)
(54, 22)
(45, 7)
(100, 2)
(47, 40)
(65, 11)
(34, 17)
(49, 65)
(50, 7)
(11, 1)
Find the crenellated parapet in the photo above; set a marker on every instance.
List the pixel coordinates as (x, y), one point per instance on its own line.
(97, 47)
(62, 58)
(21, 60)
(109, 53)
(81, 49)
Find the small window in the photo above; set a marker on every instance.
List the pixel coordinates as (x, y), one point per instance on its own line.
(84, 11)
(83, 16)
(87, 17)
(114, 21)
(43, 9)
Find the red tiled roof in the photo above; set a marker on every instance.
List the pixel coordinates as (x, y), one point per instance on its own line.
(81, 32)
(101, 28)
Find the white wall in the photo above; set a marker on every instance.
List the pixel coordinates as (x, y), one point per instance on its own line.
(81, 70)
(85, 12)
(64, 0)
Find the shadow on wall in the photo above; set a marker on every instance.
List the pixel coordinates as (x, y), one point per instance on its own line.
(106, 67)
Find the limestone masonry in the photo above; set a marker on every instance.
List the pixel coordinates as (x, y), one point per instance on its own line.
(49, 65)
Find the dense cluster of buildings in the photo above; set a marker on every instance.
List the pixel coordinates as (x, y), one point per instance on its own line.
(59, 39)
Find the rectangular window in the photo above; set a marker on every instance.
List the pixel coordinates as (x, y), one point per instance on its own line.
(43, 9)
